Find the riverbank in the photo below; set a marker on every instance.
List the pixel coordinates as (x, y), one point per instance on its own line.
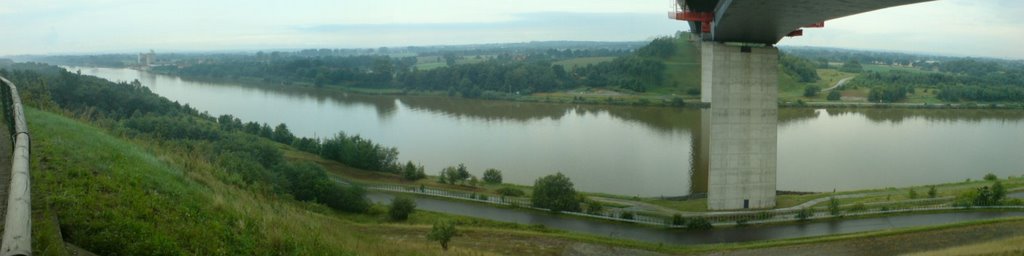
(657, 210)
(599, 96)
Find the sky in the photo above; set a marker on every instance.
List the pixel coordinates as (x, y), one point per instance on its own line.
(991, 28)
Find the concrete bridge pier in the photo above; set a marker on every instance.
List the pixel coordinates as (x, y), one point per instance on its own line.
(740, 83)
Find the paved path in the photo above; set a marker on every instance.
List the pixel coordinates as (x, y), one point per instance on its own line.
(838, 84)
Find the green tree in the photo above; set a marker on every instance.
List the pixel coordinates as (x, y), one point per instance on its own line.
(492, 176)
(932, 192)
(998, 192)
(913, 193)
(401, 208)
(991, 177)
(555, 192)
(409, 172)
(461, 174)
(811, 90)
(833, 206)
(834, 95)
(442, 232)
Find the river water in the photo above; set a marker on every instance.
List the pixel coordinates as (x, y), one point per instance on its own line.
(645, 151)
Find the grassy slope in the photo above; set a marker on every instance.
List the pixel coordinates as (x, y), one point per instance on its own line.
(115, 197)
(682, 70)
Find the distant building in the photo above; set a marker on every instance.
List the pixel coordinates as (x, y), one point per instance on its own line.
(147, 59)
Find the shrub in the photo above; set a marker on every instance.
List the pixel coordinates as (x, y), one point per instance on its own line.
(998, 192)
(833, 206)
(401, 207)
(741, 222)
(442, 232)
(834, 95)
(698, 223)
(509, 191)
(803, 214)
(594, 207)
(678, 220)
(626, 215)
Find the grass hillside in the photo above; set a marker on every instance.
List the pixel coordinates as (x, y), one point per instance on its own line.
(682, 69)
(112, 196)
(117, 196)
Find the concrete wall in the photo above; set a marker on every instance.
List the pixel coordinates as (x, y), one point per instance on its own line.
(743, 123)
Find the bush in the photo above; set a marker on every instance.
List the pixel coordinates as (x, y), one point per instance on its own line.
(678, 220)
(401, 207)
(834, 95)
(803, 214)
(492, 176)
(555, 192)
(442, 232)
(698, 223)
(626, 215)
(913, 194)
(741, 222)
(811, 91)
(594, 207)
(998, 192)
(932, 193)
(510, 191)
(833, 206)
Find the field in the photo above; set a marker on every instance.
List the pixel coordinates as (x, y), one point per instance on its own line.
(582, 62)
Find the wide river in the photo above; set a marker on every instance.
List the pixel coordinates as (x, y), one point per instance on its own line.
(645, 151)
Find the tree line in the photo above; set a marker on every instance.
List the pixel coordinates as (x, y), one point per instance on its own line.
(131, 110)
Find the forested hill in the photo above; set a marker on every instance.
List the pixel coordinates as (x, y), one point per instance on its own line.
(666, 65)
(901, 77)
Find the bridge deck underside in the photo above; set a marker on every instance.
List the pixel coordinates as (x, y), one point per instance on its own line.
(760, 21)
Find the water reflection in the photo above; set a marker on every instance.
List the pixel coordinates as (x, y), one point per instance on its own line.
(646, 151)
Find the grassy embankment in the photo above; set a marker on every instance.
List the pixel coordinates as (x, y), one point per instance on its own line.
(881, 195)
(109, 195)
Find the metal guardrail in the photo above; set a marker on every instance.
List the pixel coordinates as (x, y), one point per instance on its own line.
(17, 238)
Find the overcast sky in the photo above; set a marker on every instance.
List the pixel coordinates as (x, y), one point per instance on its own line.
(991, 28)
